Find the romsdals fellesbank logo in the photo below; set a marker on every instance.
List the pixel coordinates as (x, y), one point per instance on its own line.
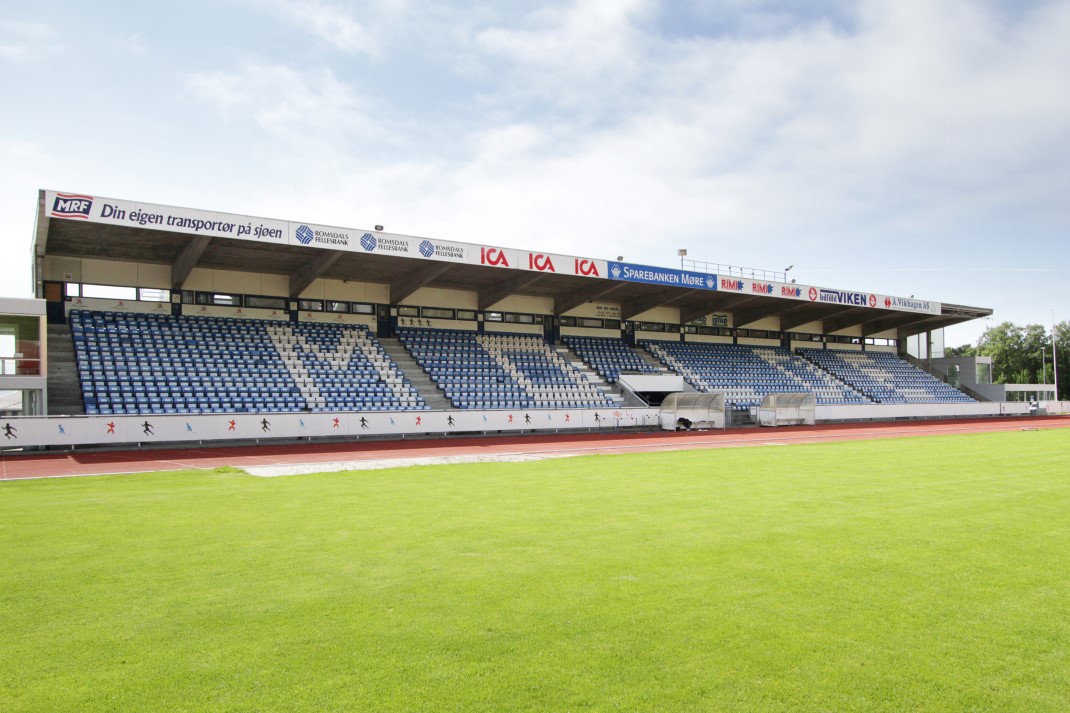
(69, 205)
(427, 248)
(368, 242)
(306, 235)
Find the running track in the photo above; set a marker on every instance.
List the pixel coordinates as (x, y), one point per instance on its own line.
(52, 465)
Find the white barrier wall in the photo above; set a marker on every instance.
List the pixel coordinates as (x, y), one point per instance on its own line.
(863, 412)
(119, 430)
(652, 382)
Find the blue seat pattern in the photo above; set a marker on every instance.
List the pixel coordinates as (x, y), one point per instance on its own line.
(884, 377)
(165, 364)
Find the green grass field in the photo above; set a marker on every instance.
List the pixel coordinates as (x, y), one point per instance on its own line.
(913, 574)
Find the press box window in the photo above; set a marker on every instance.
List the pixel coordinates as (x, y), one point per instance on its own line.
(310, 305)
(266, 302)
(437, 313)
(333, 306)
(152, 294)
(213, 298)
(109, 292)
(408, 311)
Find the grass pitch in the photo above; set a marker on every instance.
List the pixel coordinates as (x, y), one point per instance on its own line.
(914, 574)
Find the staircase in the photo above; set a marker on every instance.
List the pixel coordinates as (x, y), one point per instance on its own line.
(421, 382)
(651, 360)
(64, 387)
(613, 391)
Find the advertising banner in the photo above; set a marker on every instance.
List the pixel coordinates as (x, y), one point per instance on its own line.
(116, 430)
(661, 276)
(824, 295)
(110, 211)
(562, 264)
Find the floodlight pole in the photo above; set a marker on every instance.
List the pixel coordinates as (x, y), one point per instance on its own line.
(1054, 357)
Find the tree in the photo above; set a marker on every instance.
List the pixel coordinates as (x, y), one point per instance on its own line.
(966, 350)
(1005, 343)
(1023, 355)
(1062, 353)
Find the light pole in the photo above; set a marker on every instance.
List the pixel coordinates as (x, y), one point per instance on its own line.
(1054, 356)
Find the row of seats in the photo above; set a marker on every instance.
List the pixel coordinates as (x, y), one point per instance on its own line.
(885, 378)
(153, 364)
(341, 367)
(493, 370)
(609, 357)
(147, 364)
(745, 374)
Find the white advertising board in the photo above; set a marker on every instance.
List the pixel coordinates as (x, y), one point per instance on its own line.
(120, 430)
(111, 211)
(824, 295)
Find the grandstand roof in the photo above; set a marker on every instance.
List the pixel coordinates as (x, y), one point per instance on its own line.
(84, 226)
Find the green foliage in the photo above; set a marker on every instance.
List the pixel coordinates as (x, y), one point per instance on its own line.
(966, 350)
(914, 574)
(1023, 355)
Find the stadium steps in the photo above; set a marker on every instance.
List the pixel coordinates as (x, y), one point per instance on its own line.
(652, 360)
(427, 389)
(920, 364)
(612, 391)
(64, 388)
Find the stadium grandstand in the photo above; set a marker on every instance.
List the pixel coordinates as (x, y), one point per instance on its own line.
(160, 323)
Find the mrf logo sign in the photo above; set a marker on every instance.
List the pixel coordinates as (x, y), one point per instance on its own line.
(68, 205)
(494, 257)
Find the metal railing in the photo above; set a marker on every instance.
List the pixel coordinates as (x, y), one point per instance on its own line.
(716, 268)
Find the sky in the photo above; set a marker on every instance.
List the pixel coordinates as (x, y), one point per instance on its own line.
(903, 147)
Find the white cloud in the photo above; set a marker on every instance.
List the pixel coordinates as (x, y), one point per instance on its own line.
(27, 41)
(585, 40)
(340, 26)
(294, 107)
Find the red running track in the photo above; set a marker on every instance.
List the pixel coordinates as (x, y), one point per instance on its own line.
(53, 465)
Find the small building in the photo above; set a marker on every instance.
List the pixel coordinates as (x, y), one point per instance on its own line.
(23, 364)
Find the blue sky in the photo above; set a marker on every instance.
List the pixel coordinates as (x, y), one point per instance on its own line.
(903, 147)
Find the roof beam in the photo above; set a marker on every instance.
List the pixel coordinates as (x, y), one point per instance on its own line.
(741, 317)
(681, 294)
(187, 260)
(890, 321)
(403, 287)
(636, 307)
(713, 302)
(849, 318)
(927, 323)
(307, 273)
(799, 315)
(727, 301)
(494, 295)
(692, 312)
(579, 297)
